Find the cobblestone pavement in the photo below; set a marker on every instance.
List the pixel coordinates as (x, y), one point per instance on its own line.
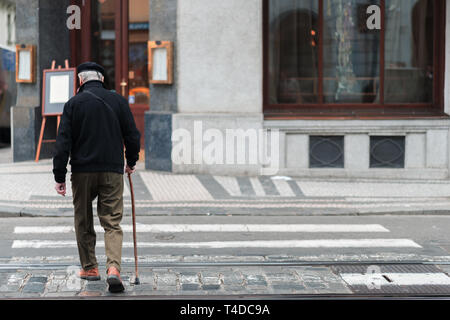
(60, 280)
(27, 189)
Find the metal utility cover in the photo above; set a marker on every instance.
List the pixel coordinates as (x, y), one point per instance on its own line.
(394, 279)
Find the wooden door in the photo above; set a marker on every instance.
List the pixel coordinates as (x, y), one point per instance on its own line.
(115, 35)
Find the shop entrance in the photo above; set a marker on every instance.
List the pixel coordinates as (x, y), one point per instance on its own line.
(114, 34)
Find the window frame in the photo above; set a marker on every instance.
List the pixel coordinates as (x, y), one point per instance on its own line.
(362, 110)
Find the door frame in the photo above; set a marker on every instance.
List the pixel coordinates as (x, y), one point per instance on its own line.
(121, 44)
(80, 40)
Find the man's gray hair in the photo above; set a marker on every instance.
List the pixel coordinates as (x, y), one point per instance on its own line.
(90, 75)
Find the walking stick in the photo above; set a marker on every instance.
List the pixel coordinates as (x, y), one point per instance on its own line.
(136, 281)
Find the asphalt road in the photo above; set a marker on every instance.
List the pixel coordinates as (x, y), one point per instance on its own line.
(315, 238)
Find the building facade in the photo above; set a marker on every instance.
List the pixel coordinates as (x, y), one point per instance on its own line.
(7, 67)
(313, 88)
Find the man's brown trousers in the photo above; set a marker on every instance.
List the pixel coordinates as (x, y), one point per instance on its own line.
(108, 187)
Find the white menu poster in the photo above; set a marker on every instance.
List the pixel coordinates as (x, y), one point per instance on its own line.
(160, 64)
(24, 65)
(59, 89)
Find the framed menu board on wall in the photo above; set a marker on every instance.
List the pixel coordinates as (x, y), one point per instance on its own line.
(160, 62)
(25, 63)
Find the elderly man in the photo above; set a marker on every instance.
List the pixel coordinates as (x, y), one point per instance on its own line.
(95, 125)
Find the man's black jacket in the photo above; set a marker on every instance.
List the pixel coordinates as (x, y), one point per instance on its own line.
(93, 134)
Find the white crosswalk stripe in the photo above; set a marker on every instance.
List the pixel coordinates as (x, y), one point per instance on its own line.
(174, 228)
(293, 229)
(328, 243)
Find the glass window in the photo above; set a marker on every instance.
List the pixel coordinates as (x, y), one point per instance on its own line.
(8, 92)
(351, 54)
(293, 68)
(138, 36)
(409, 51)
(323, 53)
(104, 38)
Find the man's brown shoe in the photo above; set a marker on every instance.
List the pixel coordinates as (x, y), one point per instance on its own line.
(89, 275)
(114, 281)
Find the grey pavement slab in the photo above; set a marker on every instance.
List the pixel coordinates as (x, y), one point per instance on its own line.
(96, 286)
(145, 287)
(34, 287)
(37, 279)
(164, 289)
(215, 188)
(234, 288)
(269, 187)
(255, 280)
(295, 188)
(141, 192)
(281, 278)
(245, 186)
(166, 279)
(190, 286)
(232, 278)
(210, 279)
(209, 287)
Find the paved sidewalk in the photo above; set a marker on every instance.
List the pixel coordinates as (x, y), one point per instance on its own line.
(27, 188)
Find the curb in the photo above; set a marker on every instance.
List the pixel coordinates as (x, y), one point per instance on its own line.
(10, 212)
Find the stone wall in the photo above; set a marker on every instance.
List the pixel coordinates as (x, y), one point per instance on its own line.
(220, 56)
(163, 98)
(41, 23)
(425, 154)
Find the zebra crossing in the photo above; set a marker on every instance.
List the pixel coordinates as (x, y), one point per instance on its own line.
(43, 237)
(251, 247)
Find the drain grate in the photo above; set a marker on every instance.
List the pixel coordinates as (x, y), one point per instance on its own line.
(394, 279)
(402, 290)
